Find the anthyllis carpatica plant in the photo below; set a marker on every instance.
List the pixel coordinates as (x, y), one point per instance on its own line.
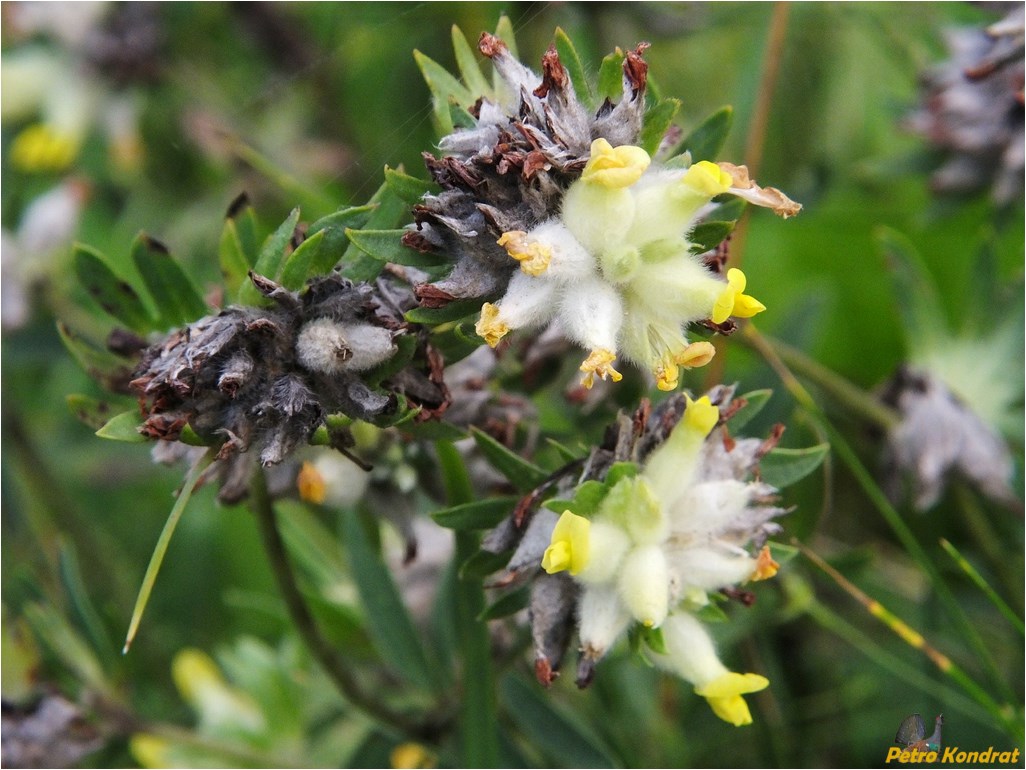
(554, 203)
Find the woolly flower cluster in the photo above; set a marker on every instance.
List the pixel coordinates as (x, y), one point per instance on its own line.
(615, 268)
(658, 544)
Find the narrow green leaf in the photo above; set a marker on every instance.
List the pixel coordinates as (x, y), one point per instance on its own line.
(610, 81)
(731, 209)
(480, 514)
(99, 362)
(387, 246)
(711, 613)
(68, 645)
(919, 306)
(297, 265)
(555, 733)
(244, 222)
(653, 637)
(482, 564)
(973, 574)
(454, 311)
(523, 475)
(162, 543)
(706, 141)
(123, 427)
(708, 235)
(755, 401)
(89, 410)
(657, 121)
(271, 259)
(336, 241)
(507, 604)
(586, 500)
(388, 620)
(568, 56)
(620, 470)
(114, 295)
(407, 187)
(443, 87)
(172, 291)
(466, 60)
(565, 453)
(235, 264)
(504, 31)
(388, 212)
(80, 604)
(456, 342)
(461, 116)
(782, 467)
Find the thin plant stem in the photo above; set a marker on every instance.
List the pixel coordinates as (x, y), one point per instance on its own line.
(850, 396)
(883, 505)
(302, 618)
(755, 141)
(836, 624)
(480, 723)
(982, 584)
(906, 633)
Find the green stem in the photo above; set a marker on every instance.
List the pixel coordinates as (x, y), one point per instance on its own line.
(333, 663)
(898, 668)
(850, 396)
(883, 505)
(480, 710)
(982, 584)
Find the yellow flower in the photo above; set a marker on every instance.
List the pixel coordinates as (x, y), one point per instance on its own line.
(533, 257)
(733, 300)
(41, 148)
(702, 415)
(599, 362)
(724, 695)
(708, 179)
(569, 548)
(765, 566)
(411, 755)
(489, 326)
(310, 484)
(615, 167)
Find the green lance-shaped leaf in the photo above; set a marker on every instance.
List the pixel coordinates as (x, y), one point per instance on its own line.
(388, 621)
(388, 212)
(706, 141)
(454, 311)
(657, 121)
(271, 259)
(783, 467)
(754, 402)
(407, 187)
(176, 299)
(100, 363)
(523, 475)
(116, 296)
(504, 31)
(508, 604)
(480, 514)
(444, 87)
(297, 267)
(234, 263)
(67, 645)
(919, 305)
(89, 411)
(708, 235)
(482, 564)
(387, 246)
(336, 241)
(123, 427)
(586, 500)
(610, 80)
(153, 569)
(568, 56)
(80, 604)
(553, 732)
(467, 62)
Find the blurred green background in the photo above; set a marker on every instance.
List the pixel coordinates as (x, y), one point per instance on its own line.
(305, 104)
